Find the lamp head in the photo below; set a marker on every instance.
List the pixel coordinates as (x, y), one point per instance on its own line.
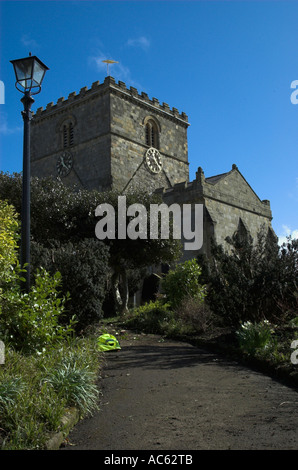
(29, 73)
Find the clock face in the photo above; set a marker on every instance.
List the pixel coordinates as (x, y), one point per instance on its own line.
(64, 164)
(153, 160)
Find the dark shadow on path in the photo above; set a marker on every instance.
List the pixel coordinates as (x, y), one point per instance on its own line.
(163, 356)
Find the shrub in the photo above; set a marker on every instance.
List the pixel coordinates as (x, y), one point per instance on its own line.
(84, 269)
(183, 281)
(194, 313)
(150, 317)
(8, 242)
(30, 322)
(255, 338)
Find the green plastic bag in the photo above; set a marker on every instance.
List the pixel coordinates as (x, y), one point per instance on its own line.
(108, 342)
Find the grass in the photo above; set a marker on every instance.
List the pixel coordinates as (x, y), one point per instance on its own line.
(75, 385)
(36, 390)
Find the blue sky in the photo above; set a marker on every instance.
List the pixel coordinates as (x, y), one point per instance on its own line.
(228, 65)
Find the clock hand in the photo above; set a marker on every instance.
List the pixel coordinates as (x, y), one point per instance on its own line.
(62, 162)
(156, 162)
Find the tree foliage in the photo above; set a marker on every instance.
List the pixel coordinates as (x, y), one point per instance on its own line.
(253, 281)
(128, 254)
(67, 215)
(8, 242)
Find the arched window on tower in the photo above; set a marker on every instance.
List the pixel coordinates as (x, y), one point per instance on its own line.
(152, 134)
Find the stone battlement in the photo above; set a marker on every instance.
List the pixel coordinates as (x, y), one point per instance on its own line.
(121, 87)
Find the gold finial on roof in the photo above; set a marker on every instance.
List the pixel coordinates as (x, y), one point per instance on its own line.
(109, 61)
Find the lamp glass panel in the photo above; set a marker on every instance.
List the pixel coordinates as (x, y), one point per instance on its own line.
(38, 73)
(23, 69)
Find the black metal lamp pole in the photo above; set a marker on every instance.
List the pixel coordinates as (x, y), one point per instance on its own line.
(29, 73)
(27, 101)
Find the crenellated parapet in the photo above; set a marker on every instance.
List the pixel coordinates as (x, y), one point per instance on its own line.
(120, 87)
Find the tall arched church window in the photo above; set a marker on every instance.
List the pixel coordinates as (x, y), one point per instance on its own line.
(152, 134)
(242, 232)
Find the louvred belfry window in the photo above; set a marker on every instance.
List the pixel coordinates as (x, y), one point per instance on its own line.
(68, 135)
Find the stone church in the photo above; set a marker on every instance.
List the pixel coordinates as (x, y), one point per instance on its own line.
(110, 136)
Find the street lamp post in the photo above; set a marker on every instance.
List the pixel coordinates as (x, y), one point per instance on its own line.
(29, 74)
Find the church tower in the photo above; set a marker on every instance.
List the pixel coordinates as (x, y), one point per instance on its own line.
(108, 137)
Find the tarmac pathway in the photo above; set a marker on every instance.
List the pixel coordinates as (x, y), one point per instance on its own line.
(166, 395)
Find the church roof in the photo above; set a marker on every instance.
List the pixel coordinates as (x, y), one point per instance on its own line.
(214, 179)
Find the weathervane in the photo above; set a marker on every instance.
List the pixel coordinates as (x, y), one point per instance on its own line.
(108, 61)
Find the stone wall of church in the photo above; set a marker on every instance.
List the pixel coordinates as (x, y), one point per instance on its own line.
(231, 199)
(228, 201)
(227, 219)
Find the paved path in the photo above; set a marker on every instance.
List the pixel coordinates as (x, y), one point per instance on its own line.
(166, 395)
